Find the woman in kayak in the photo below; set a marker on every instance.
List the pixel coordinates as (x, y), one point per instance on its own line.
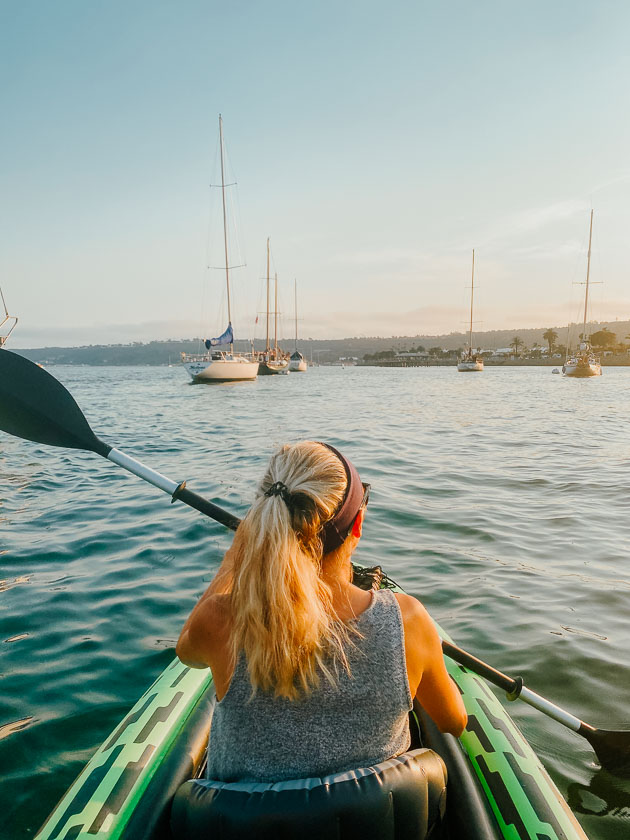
(313, 675)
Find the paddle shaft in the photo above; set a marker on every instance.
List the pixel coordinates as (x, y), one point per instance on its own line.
(514, 688)
(177, 491)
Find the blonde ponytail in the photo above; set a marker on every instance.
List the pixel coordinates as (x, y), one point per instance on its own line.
(283, 619)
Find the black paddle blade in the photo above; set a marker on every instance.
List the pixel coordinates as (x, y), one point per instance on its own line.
(35, 406)
(612, 749)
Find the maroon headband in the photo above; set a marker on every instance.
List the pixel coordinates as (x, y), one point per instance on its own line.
(336, 530)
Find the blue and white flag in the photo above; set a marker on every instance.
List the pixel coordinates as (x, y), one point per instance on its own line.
(226, 338)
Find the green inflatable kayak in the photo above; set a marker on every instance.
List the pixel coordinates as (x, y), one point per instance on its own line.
(497, 786)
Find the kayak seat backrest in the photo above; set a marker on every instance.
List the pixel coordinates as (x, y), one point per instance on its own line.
(403, 798)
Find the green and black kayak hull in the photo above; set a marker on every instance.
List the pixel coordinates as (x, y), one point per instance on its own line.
(497, 786)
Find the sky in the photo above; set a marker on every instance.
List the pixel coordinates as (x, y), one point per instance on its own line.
(376, 144)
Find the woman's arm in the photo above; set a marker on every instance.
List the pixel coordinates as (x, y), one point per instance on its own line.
(195, 640)
(428, 678)
(192, 643)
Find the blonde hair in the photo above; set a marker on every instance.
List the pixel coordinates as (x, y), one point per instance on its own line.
(282, 613)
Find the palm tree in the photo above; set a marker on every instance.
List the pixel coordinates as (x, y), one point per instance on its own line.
(550, 337)
(516, 343)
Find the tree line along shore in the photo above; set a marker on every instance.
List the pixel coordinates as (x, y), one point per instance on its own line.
(603, 341)
(527, 346)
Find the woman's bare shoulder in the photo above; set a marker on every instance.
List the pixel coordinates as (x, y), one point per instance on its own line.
(416, 620)
(411, 608)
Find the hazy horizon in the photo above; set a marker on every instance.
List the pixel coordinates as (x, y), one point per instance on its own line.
(288, 338)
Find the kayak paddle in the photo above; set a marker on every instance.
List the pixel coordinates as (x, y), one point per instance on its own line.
(36, 406)
(612, 747)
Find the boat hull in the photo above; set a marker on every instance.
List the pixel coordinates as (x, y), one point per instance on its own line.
(497, 785)
(582, 369)
(272, 368)
(472, 366)
(297, 365)
(236, 369)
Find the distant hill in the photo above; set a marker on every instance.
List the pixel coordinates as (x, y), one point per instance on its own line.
(165, 352)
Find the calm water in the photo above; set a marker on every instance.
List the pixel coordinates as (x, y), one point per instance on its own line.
(502, 500)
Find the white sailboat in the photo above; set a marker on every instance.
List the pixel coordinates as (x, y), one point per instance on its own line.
(297, 362)
(584, 362)
(218, 365)
(470, 362)
(272, 361)
(9, 320)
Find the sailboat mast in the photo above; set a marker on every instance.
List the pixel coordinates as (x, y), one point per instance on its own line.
(588, 274)
(295, 289)
(267, 334)
(275, 317)
(225, 236)
(472, 292)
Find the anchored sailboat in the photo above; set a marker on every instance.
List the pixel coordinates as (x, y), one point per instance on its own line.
(218, 365)
(470, 362)
(272, 361)
(584, 362)
(9, 320)
(297, 361)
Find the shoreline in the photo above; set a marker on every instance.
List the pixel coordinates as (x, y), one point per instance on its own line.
(611, 361)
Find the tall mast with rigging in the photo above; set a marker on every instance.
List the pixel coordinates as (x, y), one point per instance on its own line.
(472, 292)
(225, 236)
(222, 366)
(588, 274)
(275, 317)
(267, 332)
(470, 362)
(295, 297)
(584, 362)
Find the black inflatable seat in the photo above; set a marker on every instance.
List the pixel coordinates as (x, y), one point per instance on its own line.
(403, 798)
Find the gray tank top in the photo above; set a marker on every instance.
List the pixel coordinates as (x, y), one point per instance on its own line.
(362, 720)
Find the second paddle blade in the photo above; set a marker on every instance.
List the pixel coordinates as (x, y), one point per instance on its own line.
(612, 748)
(35, 406)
